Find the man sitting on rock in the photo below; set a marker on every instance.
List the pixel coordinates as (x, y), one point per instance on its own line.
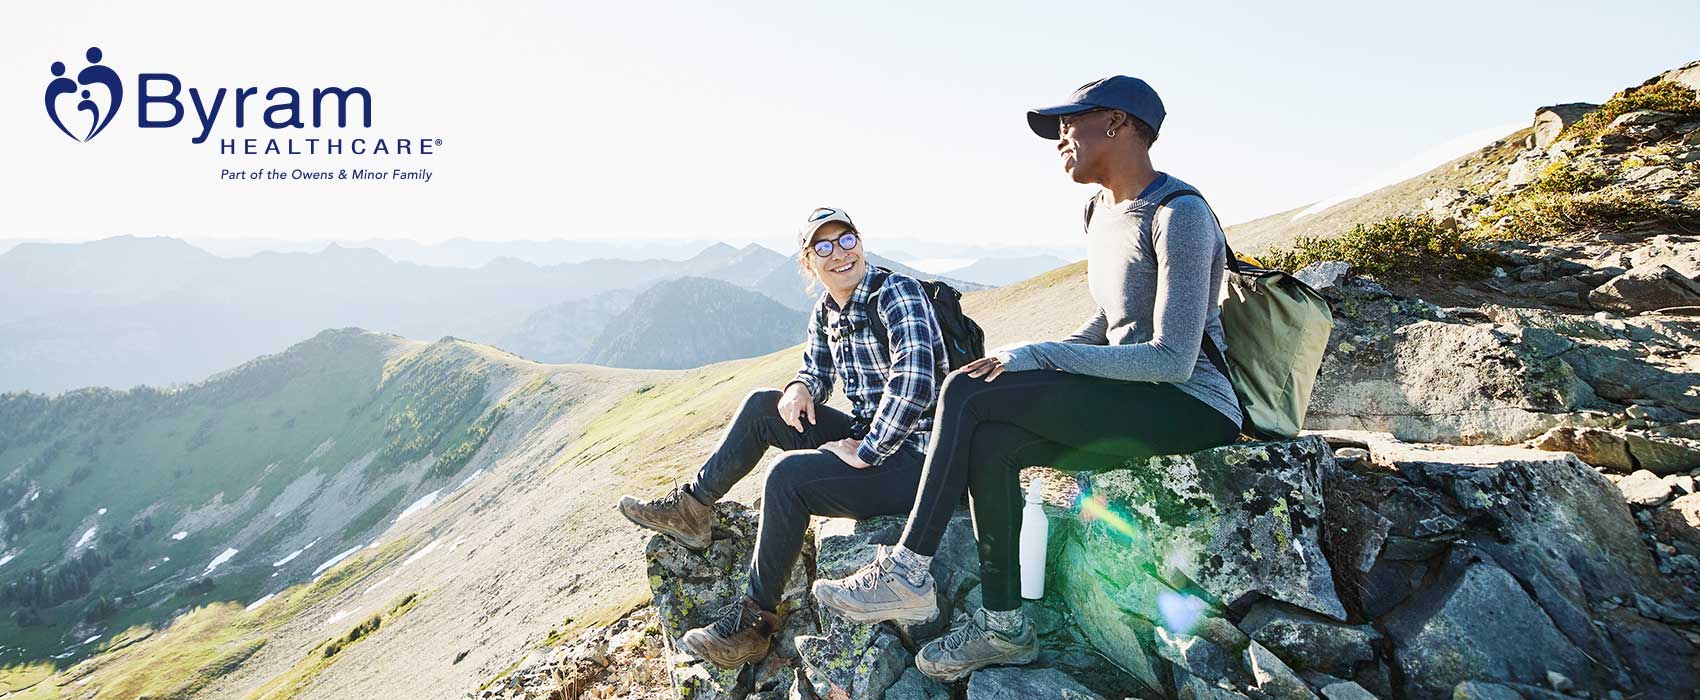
(859, 465)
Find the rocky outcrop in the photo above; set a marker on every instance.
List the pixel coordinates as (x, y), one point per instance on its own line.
(1505, 564)
(1550, 121)
(688, 590)
(1650, 287)
(1426, 374)
(1345, 565)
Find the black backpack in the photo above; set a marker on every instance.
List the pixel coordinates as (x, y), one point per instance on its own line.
(964, 340)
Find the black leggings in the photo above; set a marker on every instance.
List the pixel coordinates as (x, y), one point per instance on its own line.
(986, 432)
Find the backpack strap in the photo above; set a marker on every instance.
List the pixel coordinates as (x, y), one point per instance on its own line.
(1233, 262)
(874, 323)
(1207, 343)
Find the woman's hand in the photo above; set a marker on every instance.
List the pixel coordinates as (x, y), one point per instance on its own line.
(795, 405)
(989, 366)
(846, 450)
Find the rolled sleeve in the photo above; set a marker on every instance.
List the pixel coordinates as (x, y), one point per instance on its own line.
(913, 382)
(816, 373)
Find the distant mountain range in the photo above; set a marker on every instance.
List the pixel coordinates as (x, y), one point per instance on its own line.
(125, 311)
(996, 272)
(693, 321)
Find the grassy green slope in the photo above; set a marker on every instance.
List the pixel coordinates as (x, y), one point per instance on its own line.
(214, 461)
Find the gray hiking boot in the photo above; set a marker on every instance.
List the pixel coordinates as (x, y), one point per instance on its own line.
(973, 645)
(678, 515)
(877, 593)
(741, 633)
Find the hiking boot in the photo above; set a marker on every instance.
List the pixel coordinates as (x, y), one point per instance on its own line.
(741, 634)
(973, 645)
(678, 515)
(877, 593)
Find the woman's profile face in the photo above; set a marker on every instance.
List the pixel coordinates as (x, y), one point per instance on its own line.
(843, 269)
(1081, 144)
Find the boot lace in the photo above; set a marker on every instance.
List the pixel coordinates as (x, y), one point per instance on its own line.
(867, 577)
(732, 618)
(963, 629)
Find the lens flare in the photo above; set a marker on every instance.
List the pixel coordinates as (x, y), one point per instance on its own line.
(1094, 508)
(1180, 611)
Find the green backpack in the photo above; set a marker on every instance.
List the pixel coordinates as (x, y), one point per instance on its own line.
(1277, 329)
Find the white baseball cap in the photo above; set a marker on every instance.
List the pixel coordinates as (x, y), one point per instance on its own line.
(819, 218)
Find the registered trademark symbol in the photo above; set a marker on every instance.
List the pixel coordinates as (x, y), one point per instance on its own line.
(439, 142)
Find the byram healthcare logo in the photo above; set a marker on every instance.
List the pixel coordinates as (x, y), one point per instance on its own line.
(83, 107)
(109, 91)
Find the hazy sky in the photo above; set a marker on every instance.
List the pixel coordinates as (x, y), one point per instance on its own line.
(731, 121)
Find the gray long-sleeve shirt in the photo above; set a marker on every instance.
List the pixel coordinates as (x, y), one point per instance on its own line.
(1156, 276)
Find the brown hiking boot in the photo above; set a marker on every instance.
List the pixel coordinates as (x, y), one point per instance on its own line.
(741, 634)
(678, 515)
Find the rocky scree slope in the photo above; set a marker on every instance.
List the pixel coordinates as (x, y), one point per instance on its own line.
(1500, 485)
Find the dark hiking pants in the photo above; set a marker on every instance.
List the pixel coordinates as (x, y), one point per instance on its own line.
(804, 481)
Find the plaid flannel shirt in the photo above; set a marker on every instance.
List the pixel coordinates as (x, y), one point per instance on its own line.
(892, 397)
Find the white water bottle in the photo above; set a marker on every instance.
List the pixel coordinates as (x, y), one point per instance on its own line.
(1035, 532)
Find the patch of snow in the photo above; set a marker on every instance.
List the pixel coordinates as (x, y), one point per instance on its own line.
(338, 616)
(220, 559)
(424, 502)
(35, 495)
(179, 535)
(374, 545)
(100, 512)
(380, 583)
(293, 555)
(90, 639)
(320, 450)
(258, 603)
(9, 557)
(469, 477)
(165, 558)
(86, 537)
(333, 561)
(65, 655)
(421, 553)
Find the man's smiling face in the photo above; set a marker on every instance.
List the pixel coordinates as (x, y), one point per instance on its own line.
(843, 269)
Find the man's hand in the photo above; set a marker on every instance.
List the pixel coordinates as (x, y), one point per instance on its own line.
(846, 450)
(795, 405)
(989, 367)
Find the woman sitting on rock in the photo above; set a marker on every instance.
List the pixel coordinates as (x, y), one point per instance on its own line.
(859, 465)
(1132, 383)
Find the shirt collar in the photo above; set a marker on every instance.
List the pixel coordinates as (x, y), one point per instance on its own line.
(859, 297)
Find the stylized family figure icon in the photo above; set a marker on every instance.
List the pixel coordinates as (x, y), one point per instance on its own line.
(94, 74)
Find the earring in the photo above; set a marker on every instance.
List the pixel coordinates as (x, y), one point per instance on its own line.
(1111, 133)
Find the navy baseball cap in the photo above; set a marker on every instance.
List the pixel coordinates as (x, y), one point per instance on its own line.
(1130, 95)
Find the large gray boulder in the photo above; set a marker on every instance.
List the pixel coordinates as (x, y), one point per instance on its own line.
(1405, 367)
(1479, 625)
(1527, 559)
(1646, 288)
(1026, 684)
(1311, 642)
